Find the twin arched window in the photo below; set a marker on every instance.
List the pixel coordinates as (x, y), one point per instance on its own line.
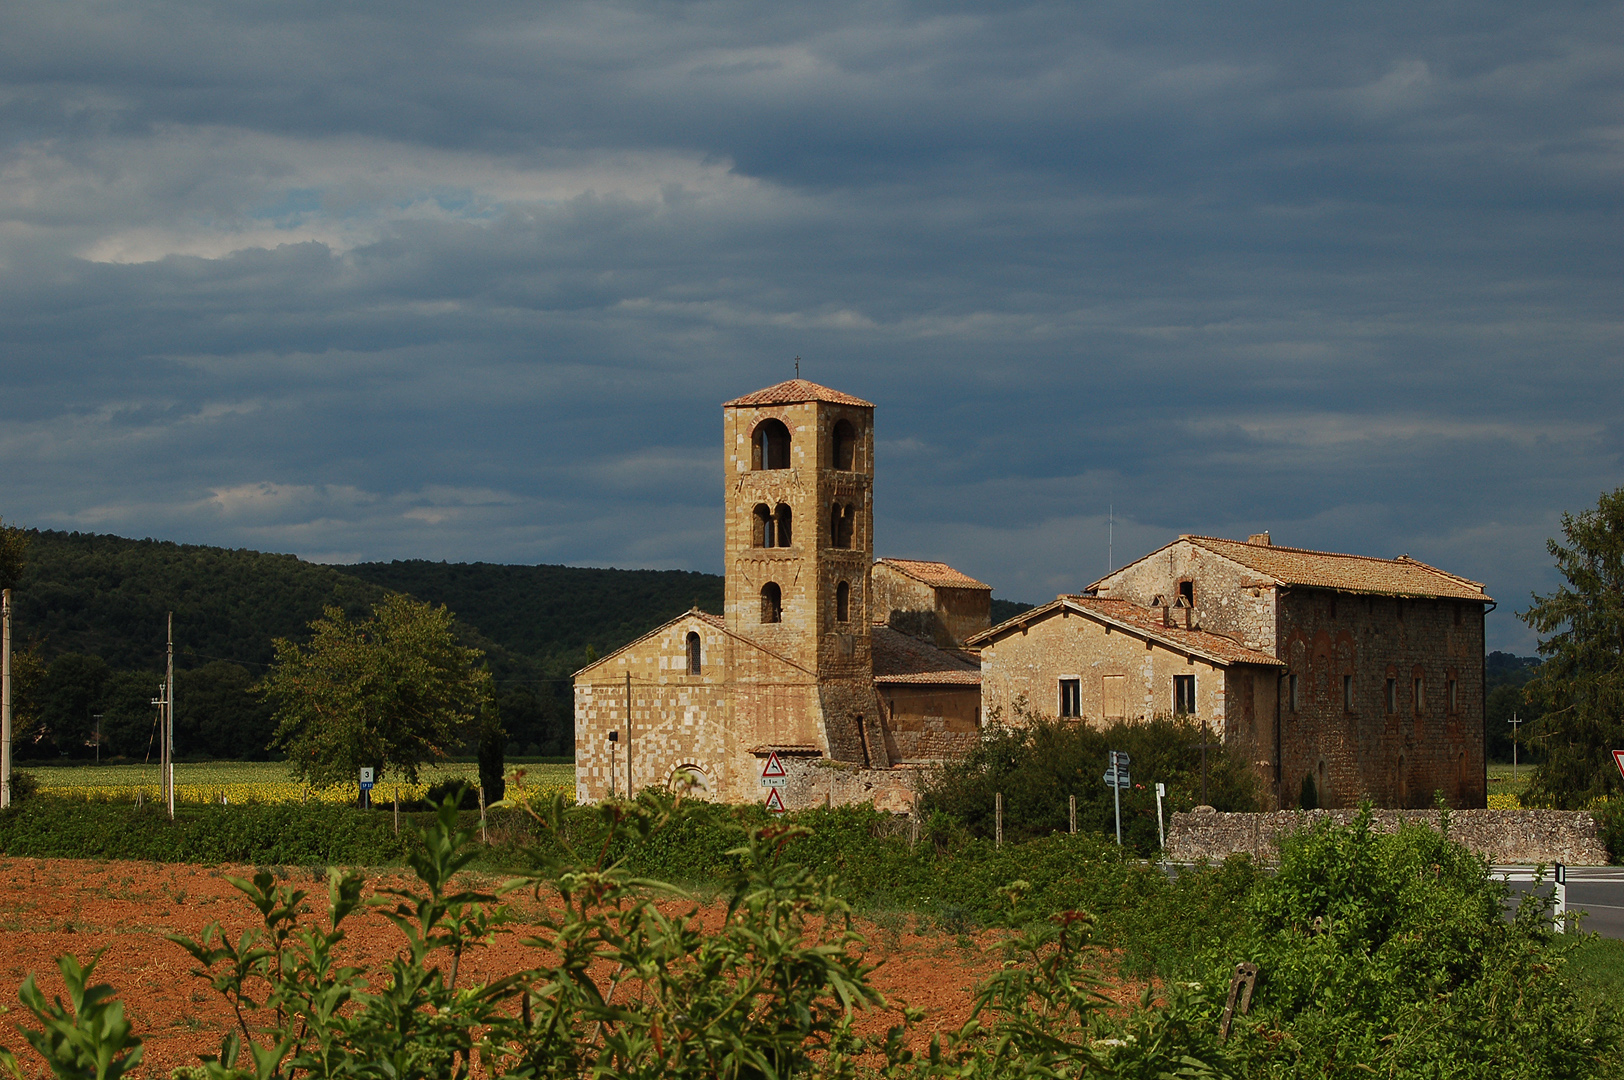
(842, 524)
(772, 603)
(769, 446)
(771, 527)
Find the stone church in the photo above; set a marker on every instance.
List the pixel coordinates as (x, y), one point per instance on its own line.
(821, 654)
(1363, 675)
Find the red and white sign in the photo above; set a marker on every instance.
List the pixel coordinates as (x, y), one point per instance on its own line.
(774, 803)
(773, 767)
(1618, 759)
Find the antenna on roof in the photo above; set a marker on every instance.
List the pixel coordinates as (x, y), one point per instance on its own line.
(797, 367)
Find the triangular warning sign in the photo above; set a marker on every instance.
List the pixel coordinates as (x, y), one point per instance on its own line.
(1618, 759)
(774, 767)
(774, 803)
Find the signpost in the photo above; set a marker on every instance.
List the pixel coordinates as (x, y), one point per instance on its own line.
(1116, 777)
(366, 786)
(1161, 792)
(773, 778)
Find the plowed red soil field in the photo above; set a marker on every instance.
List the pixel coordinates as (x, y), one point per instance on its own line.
(53, 906)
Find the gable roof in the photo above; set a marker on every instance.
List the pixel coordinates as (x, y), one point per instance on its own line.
(1402, 576)
(795, 391)
(1142, 622)
(899, 658)
(936, 574)
(706, 617)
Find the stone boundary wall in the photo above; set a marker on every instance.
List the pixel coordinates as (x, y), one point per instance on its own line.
(1501, 836)
(815, 781)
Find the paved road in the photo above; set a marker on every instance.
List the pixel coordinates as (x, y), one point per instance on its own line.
(1598, 891)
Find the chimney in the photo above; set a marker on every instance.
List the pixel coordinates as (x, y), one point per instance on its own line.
(1261, 539)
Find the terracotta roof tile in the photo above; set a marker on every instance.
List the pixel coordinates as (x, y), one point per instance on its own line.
(936, 574)
(1141, 620)
(1403, 576)
(795, 391)
(899, 658)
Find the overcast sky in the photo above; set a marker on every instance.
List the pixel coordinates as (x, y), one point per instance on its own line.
(470, 281)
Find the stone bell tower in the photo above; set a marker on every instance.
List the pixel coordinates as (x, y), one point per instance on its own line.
(799, 545)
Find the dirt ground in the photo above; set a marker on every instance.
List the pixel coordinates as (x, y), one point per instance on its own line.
(54, 906)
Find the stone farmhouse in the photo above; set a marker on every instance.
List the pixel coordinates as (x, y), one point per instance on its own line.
(1365, 674)
(821, 654)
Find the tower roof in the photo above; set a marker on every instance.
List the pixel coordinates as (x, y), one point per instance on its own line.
(795, 391)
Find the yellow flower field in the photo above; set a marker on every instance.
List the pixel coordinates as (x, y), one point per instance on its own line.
(264, 782)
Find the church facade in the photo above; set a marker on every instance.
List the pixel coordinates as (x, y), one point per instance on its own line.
(802, 661)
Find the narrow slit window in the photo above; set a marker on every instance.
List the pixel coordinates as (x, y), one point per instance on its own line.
(772, 603)
(1347, 693)
(843, 602)
(1420, 694)
(1392, 696)
(1184, 695)
(693, 654)
(1454, 696)
(842, 517)
(1071, 698)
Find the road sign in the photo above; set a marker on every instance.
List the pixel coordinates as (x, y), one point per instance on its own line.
(366, 779)
(772, 766)
(774, 781)
(1119, 757)
(774, 802)
(1118, 778)
(1618, 759)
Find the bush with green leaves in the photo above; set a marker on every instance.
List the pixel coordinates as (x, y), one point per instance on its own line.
(1037, 762)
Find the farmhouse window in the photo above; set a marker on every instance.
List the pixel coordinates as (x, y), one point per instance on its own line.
(1183, 695)
(693, 654)
(1071, 697)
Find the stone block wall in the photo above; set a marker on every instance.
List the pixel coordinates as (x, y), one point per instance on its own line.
(1502, 836)
(814, 781)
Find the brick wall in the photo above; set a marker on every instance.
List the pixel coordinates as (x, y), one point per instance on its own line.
(1501, 836)
(929, 723)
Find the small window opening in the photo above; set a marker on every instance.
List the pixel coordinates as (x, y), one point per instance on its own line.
(1291, 693)
(842, 522)
(693, 654)
(843, 602)
(1183, 695)
(763, 532)
(845, 446)
(1420, 694)
(1454, 699)
(770, 448)
(1459, 609)
(781, 533)
(1392, 696)
(1071, 698)
(1347, 693)
(772, 603)
(1187, 593)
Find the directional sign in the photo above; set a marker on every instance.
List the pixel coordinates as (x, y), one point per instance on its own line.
(1618, 759)
(772, 767)
(774, 802)
(774, 781)
(366, 778)
(1119, 757)
(1115, 778)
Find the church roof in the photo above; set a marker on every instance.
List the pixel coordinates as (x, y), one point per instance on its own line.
(795, 391)
(1402, 576)
(935, 574)
(1143, 622)
(899, 658)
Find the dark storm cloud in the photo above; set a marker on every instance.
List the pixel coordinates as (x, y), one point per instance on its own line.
(469, 281)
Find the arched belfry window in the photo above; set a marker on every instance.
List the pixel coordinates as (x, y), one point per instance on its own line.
(781, 518)
(762, 530)
(693, 653)
(772, 603)
(842, 522)
(844, 447)
(770, 446)
(843, 602)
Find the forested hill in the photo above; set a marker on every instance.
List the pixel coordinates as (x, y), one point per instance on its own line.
(550, 613)
(106, 596)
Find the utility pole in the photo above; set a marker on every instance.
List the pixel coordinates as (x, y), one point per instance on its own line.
(98, 719)
(5, 699)
(169, 716)
(1204, 745)
(1514, 722)
(629, 791)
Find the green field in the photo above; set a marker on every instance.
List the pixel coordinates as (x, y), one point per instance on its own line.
(260, 781)
(1502, 784)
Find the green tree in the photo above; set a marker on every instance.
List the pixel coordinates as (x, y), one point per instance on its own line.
(394, 692)
(1580, 686)
(13, 554)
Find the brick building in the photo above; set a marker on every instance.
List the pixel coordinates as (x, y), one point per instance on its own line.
(807, 657)
(1363, 673)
